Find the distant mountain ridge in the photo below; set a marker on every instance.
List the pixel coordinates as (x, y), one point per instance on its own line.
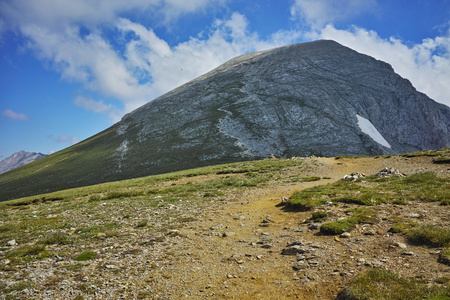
(19, 159)
(318, 98)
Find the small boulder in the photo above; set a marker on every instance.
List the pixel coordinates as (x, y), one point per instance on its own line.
(11, 243)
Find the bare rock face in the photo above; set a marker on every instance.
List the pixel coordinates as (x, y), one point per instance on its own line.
(318, 98)
(18, 159)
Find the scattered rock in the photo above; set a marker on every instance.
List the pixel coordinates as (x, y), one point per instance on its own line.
(293, 250)
(111, 266)
(369, 232)
(313, 226)
(228, 234)
(345, 235)
(400, 245)
(11, 243)
(300, 265)
(298, 242)
(414, 215)
(353, 176)
(389, 172)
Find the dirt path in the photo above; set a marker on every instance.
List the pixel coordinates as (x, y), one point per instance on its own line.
(239, 244)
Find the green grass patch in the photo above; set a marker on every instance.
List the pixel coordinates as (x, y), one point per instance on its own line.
(359, 216)
(336, 227)
(59, 238)
(402, 227)
(433, 236)
(86, 255)
(306, 179)
(142, 224)
(26, 253)
(75, 267)
(383, 284)
(444, 257)
(319, 216)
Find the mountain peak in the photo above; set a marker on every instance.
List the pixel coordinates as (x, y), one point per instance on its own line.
(18, 159)
(318, 98)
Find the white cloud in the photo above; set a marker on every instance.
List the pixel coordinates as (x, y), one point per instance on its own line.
(58, 14)
(65, 139)
(145, 66)
(148, 66)
(426, 65)
(318, 13)
(15, 116)
(92, 105)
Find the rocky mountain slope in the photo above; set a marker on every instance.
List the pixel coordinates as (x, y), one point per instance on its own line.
(317, 98)
(19, 159)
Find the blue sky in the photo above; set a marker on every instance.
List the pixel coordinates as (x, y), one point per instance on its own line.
(70, 69)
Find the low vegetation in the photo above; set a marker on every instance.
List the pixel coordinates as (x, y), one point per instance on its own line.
(429, 235)
(373, 190)
(153, 211)
(358, 216)
(441, 156)
(383, 284)
(86, 255)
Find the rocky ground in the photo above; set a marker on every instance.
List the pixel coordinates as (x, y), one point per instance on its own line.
(243, 246)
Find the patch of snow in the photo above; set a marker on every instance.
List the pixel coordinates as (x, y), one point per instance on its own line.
(367, 127)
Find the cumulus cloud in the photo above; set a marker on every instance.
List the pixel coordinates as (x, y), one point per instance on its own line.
(68, 35)
(318, 13)
(57, 14)
(143, 66)
(15, 116)
(426, 65)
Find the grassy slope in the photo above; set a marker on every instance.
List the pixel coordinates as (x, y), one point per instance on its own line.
(139, 185)
(69, 167)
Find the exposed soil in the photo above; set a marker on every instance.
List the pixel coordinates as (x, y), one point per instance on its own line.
(232, 249)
